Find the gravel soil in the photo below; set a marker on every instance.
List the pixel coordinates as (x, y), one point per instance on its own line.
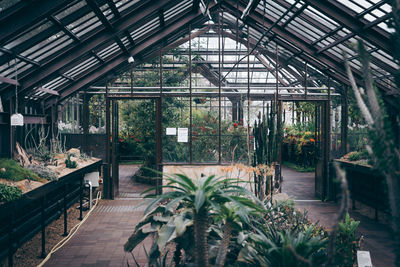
(29, 253)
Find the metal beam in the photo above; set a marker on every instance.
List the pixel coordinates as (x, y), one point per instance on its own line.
(120, 60)
(64, 29)
(28, 16)
(347, 18)
(9, 81)
(70, 55)
(295, 44)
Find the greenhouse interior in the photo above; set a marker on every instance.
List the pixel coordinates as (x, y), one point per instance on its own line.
(199, 133)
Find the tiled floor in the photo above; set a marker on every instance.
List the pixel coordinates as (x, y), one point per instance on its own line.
(99, 242)
(377, 238)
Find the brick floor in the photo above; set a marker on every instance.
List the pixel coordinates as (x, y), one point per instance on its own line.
(377, 237)
(99, 242)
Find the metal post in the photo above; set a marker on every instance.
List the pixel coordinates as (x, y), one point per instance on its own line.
(107, 180)
(114, 161)
(248, 97)
(43, 226)
(65, 210)
(81, 198)
(159, 156)
(344, 120)
(85, 123)
(11, 235)
(190, 98)
(219, 88)
(131, 77)
(305, 81)
(276, 75)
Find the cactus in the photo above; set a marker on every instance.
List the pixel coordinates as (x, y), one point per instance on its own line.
(266, 150)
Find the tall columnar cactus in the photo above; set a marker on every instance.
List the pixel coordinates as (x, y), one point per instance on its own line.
(265, 154)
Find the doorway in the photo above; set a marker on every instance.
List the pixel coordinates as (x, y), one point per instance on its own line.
(133, 132)
(305, 148)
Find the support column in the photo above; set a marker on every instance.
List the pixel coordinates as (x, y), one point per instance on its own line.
(85, 121)
(107, 169)
(344, 121)
(219, 88)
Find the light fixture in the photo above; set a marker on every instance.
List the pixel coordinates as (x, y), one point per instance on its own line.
(131, 60)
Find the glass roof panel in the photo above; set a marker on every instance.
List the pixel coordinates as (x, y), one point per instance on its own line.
(177, 9)
(5, 4)
(124, 4)
(70, 10)
(108, 51)
(44, 25)
(55, 83)
(81, 67)
(107, 12)
(139, 32)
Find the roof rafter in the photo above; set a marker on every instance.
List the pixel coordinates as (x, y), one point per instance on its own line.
(120, 61)
(70, 55)
(344, 16)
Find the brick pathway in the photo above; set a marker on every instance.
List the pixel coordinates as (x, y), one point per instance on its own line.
(99, 242)
(377, 238)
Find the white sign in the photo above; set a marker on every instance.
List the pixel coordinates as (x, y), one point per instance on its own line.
(183, 134)
(93, 177)
(171, 131)
(364, 259)
(17, 120)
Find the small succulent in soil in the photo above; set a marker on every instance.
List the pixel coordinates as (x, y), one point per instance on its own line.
(70, 163)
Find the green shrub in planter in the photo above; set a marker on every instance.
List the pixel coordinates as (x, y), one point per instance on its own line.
(11, 170)
(9, 193)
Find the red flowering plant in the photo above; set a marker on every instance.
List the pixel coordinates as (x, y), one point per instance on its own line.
(205, 131)
(298, 144)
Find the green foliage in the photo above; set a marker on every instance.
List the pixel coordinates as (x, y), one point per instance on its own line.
(11, 170)
(189, 209)
(239, 230)
(359, 155)
(347, 242)
(42, 153)
(297, 167)
(70, 163)
(43, 172)
(268, 247)
(299, 146)
(9, 193)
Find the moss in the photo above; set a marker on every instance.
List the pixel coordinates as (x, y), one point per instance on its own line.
(9, 193)
(11, 170)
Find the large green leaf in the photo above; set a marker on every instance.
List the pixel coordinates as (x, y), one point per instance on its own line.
(181, 223)
(136, 238)
(166, 234)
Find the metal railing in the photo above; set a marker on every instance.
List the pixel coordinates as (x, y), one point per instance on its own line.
(20, 220)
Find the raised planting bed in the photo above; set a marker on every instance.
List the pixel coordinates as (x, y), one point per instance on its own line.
(366, 185)
(21, 219)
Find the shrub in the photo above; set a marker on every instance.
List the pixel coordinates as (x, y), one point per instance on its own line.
(358, 155)
(347, 242)
(14, 172)
(9, 193)
(43, 172)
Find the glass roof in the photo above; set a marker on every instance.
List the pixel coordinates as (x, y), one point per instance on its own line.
(74, 45)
